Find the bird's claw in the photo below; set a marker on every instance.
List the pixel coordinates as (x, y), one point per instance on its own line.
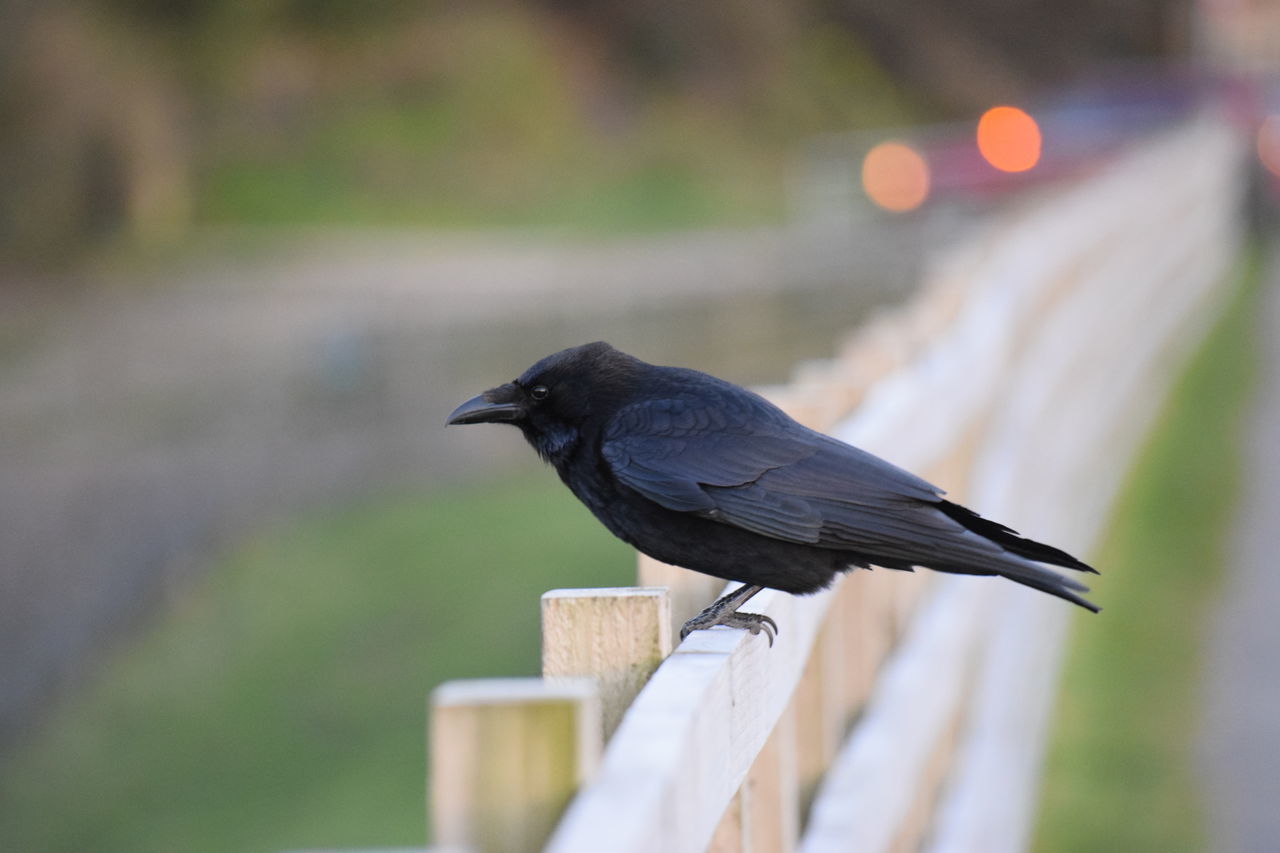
(753, 622)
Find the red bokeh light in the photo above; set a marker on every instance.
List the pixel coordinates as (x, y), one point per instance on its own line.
(1009, 139)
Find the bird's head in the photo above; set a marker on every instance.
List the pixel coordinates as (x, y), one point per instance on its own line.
(556, 398)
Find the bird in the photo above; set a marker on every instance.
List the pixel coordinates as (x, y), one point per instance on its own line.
(701, 473)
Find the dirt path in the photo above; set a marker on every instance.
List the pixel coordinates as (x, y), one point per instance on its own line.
(1241, 740)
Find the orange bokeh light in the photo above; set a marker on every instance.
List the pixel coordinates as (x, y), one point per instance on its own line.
(895, 177)
(1269, 144)
(1009, 139)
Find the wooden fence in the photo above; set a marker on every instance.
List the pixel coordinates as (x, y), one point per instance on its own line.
(895, 711)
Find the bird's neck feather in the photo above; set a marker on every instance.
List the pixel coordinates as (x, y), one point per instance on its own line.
(553, 443)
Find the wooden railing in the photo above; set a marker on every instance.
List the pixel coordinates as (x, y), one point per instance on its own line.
(895, 711)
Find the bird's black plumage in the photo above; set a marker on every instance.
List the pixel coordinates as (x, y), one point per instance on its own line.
(701, 473)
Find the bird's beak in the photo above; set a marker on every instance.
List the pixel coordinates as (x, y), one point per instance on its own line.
(497, 405)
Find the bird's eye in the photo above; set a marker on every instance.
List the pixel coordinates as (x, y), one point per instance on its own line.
(539, 392)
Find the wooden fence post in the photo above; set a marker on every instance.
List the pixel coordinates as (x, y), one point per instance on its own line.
(507, 755)
(616, 637)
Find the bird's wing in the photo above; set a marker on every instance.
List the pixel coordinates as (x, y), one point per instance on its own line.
(733, 457)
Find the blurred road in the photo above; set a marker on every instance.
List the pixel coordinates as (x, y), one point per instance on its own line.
(1241, 741)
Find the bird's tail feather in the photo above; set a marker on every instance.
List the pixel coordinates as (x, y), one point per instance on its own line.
(1022, 557)
(1063, 593)
(1029, 574)
(1054, 584)
(1009, 539)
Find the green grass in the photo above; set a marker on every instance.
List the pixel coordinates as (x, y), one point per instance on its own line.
(503, 141)
(489, 121)
(435, 162)
(280, 703)
(1121, 767)
(590, 198)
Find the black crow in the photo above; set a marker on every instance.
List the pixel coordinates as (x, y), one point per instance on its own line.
(698, 472)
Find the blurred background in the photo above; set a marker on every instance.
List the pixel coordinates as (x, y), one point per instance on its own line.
(252, 252)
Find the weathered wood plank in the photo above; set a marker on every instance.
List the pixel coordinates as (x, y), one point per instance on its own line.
(686, 744)
(615, 637)
(1171, 275)
(507, 755)
(871, 787)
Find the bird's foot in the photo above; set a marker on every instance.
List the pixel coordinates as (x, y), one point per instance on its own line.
(709, 618)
